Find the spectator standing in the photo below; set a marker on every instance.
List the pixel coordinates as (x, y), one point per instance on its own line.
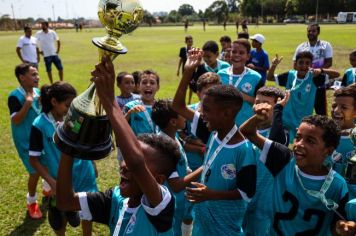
(322, 58)
(259, 58)
(47, 39)
(27, 48)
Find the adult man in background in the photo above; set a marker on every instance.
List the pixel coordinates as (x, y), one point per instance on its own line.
(27, 49)
(322, 58)
(47, 39)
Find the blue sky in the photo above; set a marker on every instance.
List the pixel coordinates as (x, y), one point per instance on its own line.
(83, 8)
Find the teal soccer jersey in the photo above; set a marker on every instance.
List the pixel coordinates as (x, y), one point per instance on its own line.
(302, 97)
(351, 210)
(234, 168)
(339, 159)
(349, 77)
(42, 146)
(195, 160)
(140, 122)
(107, 208)
(295, 211)
(21, 132)
(182, 206)
(249, 82)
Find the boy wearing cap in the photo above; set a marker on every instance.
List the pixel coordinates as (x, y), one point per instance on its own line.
(259, 58)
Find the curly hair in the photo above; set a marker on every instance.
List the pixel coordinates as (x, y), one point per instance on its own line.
(331, 134)
(168, 149)
(162, 113)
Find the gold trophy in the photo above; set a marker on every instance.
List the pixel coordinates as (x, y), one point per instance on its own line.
(86, 131)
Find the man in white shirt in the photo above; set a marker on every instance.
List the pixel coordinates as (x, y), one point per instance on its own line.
(322, 58)
(47, 39)
(27, 49)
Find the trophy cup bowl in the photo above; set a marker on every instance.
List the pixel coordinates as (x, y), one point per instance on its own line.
(86, 130)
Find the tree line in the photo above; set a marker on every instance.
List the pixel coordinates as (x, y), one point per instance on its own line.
(231, 10)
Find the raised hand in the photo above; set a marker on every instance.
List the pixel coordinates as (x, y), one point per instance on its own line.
(104, 79)
(195, 56)
(136, 109)
(262, 110)
(285, 100)
(276, 60)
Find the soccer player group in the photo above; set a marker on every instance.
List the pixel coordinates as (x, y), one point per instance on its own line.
(221, 166)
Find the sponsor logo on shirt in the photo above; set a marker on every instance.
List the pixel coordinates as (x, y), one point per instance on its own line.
(228, 171)
(246, 87)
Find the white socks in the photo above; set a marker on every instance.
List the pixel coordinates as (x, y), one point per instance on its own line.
(31, 199)
(186, 229)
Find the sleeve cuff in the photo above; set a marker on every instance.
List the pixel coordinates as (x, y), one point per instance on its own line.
(244, 196)
(85, 213)
(266, 147)
(12, 115)
(34, 153)
(173, 175)
(166, 198)
(194, 125)
(276, 79)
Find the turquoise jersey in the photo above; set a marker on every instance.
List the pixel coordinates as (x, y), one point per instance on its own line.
(258, 217)
(195, 160)
(301, 101)
(349, 77)
(339, 159)
(296, 212)
(249, 84)
(139, 123)
(42, 132)
(229, 171)
(351, 210)
(21, 132)
(138, 225)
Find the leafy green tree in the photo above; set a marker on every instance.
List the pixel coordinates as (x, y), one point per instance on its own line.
(186, 10)
(218, 11)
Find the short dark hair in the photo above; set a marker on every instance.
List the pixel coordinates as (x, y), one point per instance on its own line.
(21, 69)
(225, 38)
(211, 46)
(59, 90)
(169, 156)
(121, 76)
(331, 131)
(136, 76)
(304, 54)
(245, 43)
(187, 37)
(226, 95)
(162, 113)
(349, 91)
(27, 27)
(45, 23)
(353, 53)
(148, 72)
(270, 91)
(243, 35)
(315, 25)
(209, 78)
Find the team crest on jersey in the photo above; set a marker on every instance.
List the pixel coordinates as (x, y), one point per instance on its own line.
(131, 225)
(246, 87)
(228, 171)
(308, 88)
(336, 157)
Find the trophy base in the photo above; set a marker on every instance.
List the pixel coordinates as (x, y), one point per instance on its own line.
(114, 47)
(80, 151)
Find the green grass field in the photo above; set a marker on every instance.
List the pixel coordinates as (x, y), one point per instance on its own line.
(155, 48)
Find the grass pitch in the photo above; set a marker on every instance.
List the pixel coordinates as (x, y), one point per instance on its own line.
(156, 48)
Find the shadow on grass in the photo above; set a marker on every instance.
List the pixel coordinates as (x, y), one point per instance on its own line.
(29, 226)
